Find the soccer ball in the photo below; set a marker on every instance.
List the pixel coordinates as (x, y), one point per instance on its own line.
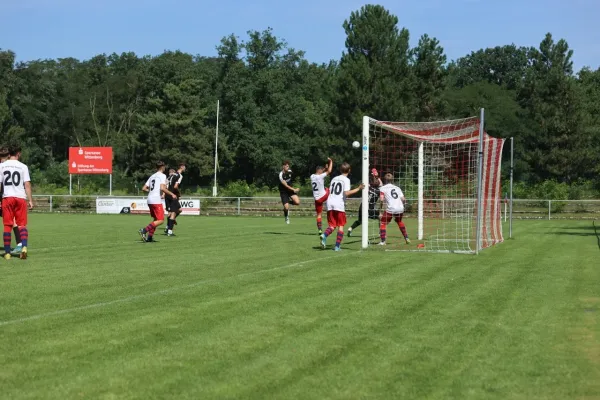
(355, 144)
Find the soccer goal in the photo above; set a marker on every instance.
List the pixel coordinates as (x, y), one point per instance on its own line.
(449, 173)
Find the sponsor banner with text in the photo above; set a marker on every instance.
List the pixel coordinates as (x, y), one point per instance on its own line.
(90, 160)
(112, 205)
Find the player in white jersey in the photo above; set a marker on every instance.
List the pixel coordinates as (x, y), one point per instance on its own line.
(339, 189)
(156, 185)
(16, 192)
(3, 157)
(320, 192)
(394, 208)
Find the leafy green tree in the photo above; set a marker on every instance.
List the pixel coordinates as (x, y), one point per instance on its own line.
(556, 147)
(428, 62)
(501, 65)
(374, 78)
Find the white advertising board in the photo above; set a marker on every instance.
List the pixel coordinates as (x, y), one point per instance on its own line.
(120, 205)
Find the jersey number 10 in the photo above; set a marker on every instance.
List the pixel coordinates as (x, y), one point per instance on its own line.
(337, 188)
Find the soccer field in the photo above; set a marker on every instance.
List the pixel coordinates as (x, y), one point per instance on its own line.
(251, 308)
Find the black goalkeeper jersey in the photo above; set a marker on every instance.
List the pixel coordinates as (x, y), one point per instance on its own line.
(374, 193)
(172, 180)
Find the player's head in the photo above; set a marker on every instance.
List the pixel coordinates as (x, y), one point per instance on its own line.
(3, 153)
(388, 178)
(160, 166)
(171, 171)
(286, 165)
(182, 167)
(319, 169)
(14, 151)
(345, 168)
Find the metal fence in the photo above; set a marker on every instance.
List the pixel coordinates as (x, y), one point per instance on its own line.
(271, 206)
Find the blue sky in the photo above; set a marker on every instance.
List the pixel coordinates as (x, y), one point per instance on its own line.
(82, 28)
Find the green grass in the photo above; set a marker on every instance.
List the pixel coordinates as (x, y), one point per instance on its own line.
(242, 308)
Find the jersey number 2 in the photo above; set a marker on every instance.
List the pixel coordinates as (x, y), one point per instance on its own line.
(315, 188)
(12, 179)
(337, 188)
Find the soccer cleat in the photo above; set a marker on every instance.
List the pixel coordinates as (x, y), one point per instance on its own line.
(17, 249)
(381, 243)
(170, 233)
(23, 255)
(7, 256)
(407, 240)
(349, 232)
(142, 234)
(287, 221)
(336, 248)
(166, 231)
(320, 232)
(323, 241)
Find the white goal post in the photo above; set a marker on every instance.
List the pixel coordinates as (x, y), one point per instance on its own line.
(449, 172)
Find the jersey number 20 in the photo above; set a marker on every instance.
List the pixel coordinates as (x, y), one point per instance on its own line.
(12, 179)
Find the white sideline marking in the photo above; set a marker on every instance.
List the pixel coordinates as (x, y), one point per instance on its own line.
(163, 291)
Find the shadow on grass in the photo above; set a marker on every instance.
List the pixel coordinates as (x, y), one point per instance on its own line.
(594, 228)
(292, 233)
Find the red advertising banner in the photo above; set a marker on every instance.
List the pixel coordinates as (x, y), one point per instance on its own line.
(90, 160)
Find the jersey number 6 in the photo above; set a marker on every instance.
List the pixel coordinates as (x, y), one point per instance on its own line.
(394, 194)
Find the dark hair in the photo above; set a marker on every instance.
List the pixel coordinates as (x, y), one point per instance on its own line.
(285, 162)
(320, 168)
(345, 168)
(14, 150)
(3, 152)
(159, 164)
(388, 178)
(181, 165)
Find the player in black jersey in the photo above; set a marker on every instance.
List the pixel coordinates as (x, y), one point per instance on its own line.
(172, 205)
(373, 199)
(286, 191)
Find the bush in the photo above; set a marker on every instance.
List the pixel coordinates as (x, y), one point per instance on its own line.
(81, 203)
(238, 189)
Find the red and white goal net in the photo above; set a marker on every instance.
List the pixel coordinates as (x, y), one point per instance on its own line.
(449, 173)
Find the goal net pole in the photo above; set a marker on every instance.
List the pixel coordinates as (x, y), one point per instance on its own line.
(420, 190)
(366, 181)
(479, 186)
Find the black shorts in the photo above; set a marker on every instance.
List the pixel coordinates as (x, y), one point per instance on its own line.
(172, 205)
(286, 196)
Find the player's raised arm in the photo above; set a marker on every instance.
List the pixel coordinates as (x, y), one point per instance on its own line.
(357, 189)
(330, 166)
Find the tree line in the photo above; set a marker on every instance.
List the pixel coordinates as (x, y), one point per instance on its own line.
(275, 105)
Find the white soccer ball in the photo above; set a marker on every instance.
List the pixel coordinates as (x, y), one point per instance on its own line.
(355, 144)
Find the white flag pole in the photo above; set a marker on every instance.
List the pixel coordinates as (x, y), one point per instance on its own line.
(216, 151)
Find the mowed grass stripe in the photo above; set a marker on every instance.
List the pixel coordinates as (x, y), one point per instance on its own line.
(505, 324)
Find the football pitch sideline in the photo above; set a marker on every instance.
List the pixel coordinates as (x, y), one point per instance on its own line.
(251, 308)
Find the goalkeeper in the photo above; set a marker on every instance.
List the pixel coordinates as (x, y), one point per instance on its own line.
(373, 198)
